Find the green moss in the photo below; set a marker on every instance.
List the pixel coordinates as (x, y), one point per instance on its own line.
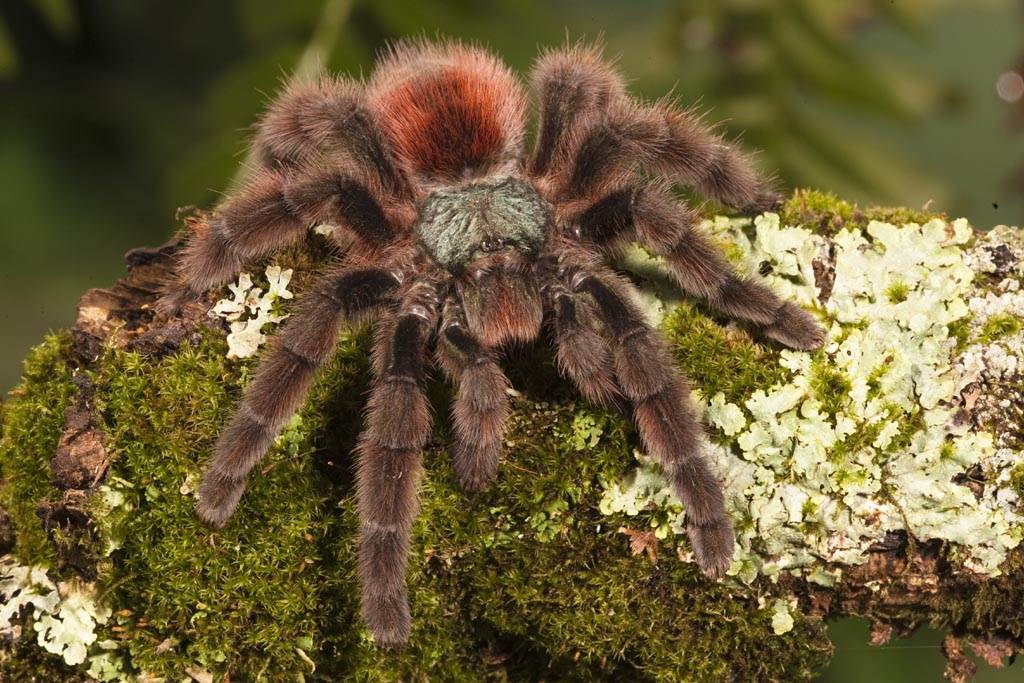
(718, 359)
(960, 330)
(239, 599)
(525, 580)
(947, 450)
(826, 214)
(1017, 480)
(909, 424)
(1000, 326)
(830, 386)
(730, 250)
(33, 417)
(822, 212)
(582, 594)
(897, 215)
(897, 292)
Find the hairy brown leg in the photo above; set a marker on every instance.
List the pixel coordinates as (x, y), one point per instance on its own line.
(481, 408)
(581, 353)
(326, 115)
(671, 142)
(653, 217)
(666, 419)
(695, 155)
(332, 195)
(303, 346)
(271, 212)
(398, 423)
(252, 223)
(571, 84)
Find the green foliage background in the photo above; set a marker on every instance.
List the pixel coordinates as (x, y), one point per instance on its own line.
(113, 113)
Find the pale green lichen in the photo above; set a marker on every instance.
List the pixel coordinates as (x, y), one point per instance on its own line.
(70, 628)
(643, 487)
(23, 587)
(249, 310)
(726, 416)
(65, 616)
(782, 618)
(862, 438)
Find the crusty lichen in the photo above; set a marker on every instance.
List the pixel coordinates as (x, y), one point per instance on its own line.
(249, 310)
(539, 576)
(65, 617)
(864, 437)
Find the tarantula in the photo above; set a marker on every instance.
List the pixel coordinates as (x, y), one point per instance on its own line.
(460, 244)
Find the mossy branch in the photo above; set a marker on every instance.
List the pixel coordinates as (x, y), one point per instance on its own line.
(850, 494)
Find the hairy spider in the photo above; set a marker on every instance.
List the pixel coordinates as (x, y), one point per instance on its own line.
(460, 244)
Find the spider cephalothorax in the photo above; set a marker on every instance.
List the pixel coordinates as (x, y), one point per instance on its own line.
(458, 243)
(462, 223)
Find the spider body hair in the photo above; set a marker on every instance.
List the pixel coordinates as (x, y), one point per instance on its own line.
(462, 224)
(459, 244)
(572, 83)
(502, 301)
(452, 111)
(481, 406)
(326, 115)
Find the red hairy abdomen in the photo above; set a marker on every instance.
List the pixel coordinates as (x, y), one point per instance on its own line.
(445, 122)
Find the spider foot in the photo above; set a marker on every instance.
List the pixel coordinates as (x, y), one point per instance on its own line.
(796, 328)
(388, 619)
(218, 498)
(766, 200)
(474, 468)
(172, 301)
(713, 545)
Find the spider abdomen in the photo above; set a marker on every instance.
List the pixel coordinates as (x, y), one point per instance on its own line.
(460, 224)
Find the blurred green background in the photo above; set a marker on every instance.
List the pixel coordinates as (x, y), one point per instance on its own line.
(114, 113)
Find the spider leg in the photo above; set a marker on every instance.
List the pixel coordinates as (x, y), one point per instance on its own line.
(303, 346)
(480, 409)
(571, 84)
(270, 213)
(331, 194)
(669, 141)
(581, 353)
(668, 424)
(653, 217)
(398, 423)
(606, 149)
(695, 155)
(327, 114)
